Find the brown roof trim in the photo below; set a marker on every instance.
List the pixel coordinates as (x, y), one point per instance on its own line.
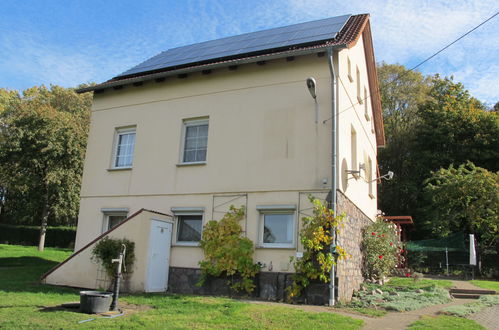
(354, 28)
(399, 219)
(98, 238)
(348, 36)
(372, 74)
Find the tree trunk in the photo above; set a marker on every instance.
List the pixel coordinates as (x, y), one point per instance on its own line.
(43, 227)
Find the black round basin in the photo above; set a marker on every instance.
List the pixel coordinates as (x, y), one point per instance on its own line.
(93, 302)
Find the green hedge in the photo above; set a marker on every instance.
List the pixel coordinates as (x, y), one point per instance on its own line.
(62, 237)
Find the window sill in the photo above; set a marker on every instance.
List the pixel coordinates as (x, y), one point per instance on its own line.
(287, 247)
(350, 77)
(372, 196)
(119, 169)
(367, 116)
(360, 100)
(186, 244)
(191, 164)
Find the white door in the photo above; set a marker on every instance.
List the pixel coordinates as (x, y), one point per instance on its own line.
(159, 256)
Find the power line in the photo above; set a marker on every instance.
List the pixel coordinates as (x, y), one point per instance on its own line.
(421, 63)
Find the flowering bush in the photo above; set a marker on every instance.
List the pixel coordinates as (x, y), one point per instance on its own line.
(382, 250)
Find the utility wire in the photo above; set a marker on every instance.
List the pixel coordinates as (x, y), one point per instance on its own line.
(419, 64)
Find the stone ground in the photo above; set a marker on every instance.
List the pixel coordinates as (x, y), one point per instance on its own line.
(488, 317)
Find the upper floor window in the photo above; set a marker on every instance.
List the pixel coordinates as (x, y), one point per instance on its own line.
(359, 97)
(366, 107)
(349, 64)
(195, 141)
(124, 147)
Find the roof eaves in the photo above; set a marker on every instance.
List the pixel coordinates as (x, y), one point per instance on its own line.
(212, 65)
(346, 38)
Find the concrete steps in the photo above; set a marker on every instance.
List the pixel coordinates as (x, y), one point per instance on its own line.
(469, 293)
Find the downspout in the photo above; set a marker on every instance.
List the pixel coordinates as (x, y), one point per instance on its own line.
(334, 178)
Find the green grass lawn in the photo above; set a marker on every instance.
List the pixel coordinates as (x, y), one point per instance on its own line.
(407, 282)
(491, 285)
(444, 322)
(25, 303)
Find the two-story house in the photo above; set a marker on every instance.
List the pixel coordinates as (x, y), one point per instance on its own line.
(260, 120)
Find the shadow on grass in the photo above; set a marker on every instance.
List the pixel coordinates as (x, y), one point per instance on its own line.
(22, 274)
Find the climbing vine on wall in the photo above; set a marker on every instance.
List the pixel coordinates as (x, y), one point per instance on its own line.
(316, 236)
(227, 252)
(108, 249)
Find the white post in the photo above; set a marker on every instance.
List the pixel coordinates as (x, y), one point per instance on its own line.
(447, 260)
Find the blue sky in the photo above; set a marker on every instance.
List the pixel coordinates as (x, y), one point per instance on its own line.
(68, 42)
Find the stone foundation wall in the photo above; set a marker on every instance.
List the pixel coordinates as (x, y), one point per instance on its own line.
(269, 286)
(349, 271)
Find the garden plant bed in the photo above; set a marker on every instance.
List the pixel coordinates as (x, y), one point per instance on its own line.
(401, 294)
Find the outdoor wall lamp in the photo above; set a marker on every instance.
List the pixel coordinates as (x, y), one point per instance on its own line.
(387, 176)
(312, 88)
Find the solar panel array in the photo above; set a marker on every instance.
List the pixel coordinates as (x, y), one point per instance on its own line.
(282, 37)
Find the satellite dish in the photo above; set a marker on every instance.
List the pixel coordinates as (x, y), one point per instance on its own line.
(311, 86)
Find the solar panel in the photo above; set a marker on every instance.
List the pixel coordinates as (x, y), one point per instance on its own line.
(286, 36)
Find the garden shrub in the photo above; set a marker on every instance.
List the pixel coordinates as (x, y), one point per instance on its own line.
(227, 252)
(316, 238)
(61, 237)
(109, 248)
(382, 250)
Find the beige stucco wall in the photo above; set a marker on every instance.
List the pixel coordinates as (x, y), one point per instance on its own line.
(263, 142)
(82, 271)
(352, 114)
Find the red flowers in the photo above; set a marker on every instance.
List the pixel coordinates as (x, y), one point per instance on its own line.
(380, 257)
(374, 234)
(391, 244)
(407, 274)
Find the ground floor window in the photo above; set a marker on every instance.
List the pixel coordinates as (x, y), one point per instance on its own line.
(189, 228)
(277, 226)
(189, 225)
(113, 217)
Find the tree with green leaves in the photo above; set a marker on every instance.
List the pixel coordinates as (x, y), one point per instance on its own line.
(402, 94)
(43, 138)
(463, 199)
(448, 126)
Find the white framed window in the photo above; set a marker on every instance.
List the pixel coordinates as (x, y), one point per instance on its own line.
(194, 141)
(277, 226)
(189, 225)
(366, 105)
(353, 152)
(124, 145)
(113, 217)
(359, 97)
(349, 65)
(370, 181)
